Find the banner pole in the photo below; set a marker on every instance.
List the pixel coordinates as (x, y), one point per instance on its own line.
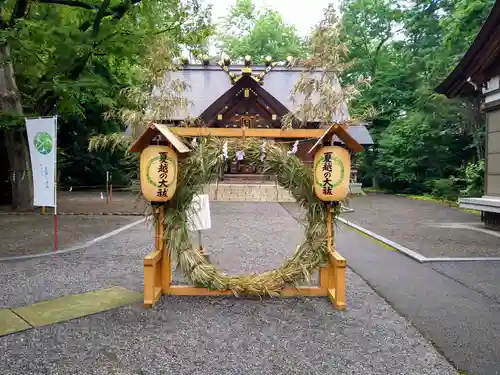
(107, 187)
(56, 244)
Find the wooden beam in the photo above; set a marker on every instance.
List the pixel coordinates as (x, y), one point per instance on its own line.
(304, 291)
(152, 258)
(336, 258)
(249, 132)
(150, 302)
(191, 290)
(338, 305)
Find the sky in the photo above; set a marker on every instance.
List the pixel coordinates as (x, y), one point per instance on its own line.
(304, 14)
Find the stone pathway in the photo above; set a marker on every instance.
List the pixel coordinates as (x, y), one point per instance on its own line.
(197, 335)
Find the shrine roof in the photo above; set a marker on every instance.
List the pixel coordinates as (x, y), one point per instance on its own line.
(208, 83)
(477, 62)
(360, 133)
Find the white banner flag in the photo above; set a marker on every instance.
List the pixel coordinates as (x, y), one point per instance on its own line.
(42, 140)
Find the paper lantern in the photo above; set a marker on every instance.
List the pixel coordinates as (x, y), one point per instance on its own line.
(158, 173)
(332, 169)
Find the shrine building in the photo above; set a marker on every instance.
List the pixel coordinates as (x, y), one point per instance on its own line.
(223, 95)
(477, 76)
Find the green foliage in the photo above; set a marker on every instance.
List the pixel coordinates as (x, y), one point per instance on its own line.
(474, 179)
(405, 49)
(445, 188)
(78, 60)
(246, 31)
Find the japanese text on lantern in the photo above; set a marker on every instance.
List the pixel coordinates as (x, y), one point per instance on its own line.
(162, 175)
(327, 174)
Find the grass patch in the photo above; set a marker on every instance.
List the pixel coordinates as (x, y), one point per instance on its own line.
(475, 212)
(375, 190)
(430, 198)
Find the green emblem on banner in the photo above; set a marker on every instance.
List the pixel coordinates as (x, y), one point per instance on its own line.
(43, 143)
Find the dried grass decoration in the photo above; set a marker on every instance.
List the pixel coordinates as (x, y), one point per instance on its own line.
(201, 168)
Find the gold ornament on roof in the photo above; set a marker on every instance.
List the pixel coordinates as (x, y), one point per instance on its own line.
(206, 60)
(248, 60)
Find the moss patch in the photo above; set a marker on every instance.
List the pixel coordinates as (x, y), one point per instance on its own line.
(75, 306)
(11, 323)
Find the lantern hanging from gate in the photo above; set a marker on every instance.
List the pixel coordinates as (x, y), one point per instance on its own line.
(332, 169)
(159, 149)
(158, 168)
(332, 164)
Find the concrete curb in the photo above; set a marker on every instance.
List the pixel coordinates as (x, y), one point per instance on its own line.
(74, 248)
(413, 254)
(408, 252)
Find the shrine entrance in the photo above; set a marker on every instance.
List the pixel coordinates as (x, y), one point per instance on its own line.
(319, 193)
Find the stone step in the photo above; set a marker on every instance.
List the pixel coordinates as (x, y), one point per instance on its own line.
(246, 182)
(242, 178)
(250, 192)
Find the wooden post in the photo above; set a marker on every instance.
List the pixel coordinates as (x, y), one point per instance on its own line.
(329, 227)
(340, 263)
(323, 277)
(326, 273)
(335, 278)
(159, 248)
(148, 284)
(200, 246)
(166, 265)
(329, 237)
(153, 265)
(158, 223)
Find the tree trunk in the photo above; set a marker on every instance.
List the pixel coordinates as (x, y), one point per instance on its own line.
(375, 182)
(15, 140)
(20, 175)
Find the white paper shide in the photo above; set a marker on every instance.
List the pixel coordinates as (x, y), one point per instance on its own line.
(199, 213)
(42, 140)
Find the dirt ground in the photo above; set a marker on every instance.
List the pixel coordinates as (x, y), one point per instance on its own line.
(34, 234)
(91, 202)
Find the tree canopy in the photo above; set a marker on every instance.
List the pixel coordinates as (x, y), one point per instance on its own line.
(423, 141)
(76, 59)
(94, 63)
(258, 33)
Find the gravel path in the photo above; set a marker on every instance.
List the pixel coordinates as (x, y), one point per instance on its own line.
(415, 224)
(34, 234)
(195, 335)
